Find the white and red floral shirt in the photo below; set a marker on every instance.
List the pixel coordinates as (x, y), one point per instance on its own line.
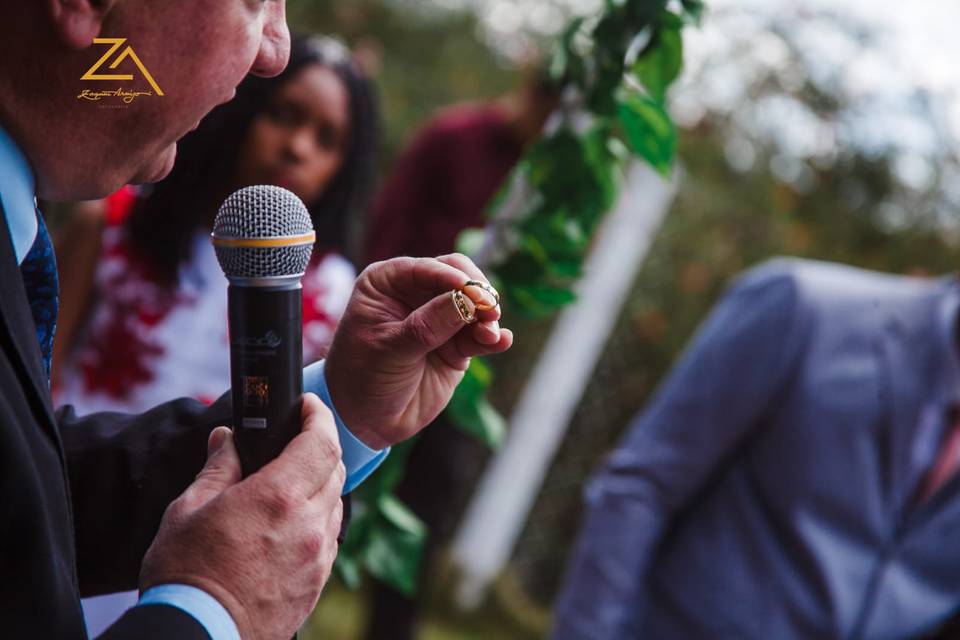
(146, 342)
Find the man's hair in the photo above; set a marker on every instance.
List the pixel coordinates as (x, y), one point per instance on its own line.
(162, 224)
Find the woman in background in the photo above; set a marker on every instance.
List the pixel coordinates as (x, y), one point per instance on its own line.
(155, 326)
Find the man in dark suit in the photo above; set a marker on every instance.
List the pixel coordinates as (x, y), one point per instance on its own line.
(85, 499)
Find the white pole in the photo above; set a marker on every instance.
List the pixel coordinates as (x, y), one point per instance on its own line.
(499, 509)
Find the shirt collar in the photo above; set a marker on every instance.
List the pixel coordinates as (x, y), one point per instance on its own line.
(18, 194)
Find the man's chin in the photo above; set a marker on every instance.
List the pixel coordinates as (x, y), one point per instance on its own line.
(158, 168)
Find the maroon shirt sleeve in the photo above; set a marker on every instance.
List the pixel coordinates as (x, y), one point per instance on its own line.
(406, 202)
(442, 183)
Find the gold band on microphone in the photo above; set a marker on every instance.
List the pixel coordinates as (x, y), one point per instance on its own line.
(280, 241)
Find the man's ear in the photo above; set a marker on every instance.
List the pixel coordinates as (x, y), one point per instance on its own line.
(78, 22)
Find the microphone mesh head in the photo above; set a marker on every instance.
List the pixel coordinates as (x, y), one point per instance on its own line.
(257, 213)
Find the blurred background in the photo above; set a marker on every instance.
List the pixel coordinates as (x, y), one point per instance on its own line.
(811, 128)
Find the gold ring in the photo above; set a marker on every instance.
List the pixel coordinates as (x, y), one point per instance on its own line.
(483, 306)
(460, 304)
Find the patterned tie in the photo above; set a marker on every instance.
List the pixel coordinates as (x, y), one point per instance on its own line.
(39, 272)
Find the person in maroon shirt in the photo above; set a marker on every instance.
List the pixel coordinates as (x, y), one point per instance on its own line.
(442, 184)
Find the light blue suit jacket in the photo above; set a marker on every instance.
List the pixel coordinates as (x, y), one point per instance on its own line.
(768, 490)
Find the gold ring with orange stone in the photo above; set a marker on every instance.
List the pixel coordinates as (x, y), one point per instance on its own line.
(482, 305)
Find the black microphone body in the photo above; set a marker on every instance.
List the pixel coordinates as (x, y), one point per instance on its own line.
(263, 237)
(266, 369)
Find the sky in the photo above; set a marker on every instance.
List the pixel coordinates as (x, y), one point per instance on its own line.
(895, 64)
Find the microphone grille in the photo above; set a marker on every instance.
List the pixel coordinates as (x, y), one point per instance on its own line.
(263, 213)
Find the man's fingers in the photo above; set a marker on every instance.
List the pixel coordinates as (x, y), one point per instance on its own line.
(415, 280)
(456, 353)
(221, 471)
(487, 333)
(306, 463)
(332, 489)
(430, 326)
(418, 280)
(470, 346)
(465, 264)
(328, 506)
(476, 294)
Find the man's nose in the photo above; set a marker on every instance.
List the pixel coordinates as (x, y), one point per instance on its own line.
(275, 44)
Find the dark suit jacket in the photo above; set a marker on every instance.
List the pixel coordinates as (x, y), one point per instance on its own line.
(81, 497)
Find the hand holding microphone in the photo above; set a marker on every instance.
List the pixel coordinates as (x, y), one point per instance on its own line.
(264, 238)
(263, 546)
(399, 351)
(258, 528)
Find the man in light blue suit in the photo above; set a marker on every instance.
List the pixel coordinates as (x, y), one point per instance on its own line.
(793, 478)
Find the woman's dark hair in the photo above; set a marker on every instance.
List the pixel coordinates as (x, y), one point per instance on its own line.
(163, 222)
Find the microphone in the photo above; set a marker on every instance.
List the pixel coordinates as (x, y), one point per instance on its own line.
(263, 239)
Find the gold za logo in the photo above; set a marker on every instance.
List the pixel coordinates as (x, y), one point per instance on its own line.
(92, 74)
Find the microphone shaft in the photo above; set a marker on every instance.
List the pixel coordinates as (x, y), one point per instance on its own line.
(266, 370)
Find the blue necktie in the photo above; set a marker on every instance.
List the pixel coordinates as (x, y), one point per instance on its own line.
(39, 272)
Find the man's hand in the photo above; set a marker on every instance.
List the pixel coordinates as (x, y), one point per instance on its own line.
(262, 546)
(401, 347)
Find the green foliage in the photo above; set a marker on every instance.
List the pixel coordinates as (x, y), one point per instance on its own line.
(648, 129)
(396, 546)
(693, 9)
(573, 175)
(574, 172)
(387, 541)
(660, 65)
(471, 410)
(385, 538)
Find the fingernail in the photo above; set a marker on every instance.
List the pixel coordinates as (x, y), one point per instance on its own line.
(480, 297)
(217, 438)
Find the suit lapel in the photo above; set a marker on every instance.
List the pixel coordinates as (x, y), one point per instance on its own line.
(17, 321)
(910, 358)
(900, 410)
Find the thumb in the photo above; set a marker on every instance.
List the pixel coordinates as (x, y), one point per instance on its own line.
(431, 325)
(221, 471)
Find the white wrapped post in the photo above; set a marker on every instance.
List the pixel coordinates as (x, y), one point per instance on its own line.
(505, 495)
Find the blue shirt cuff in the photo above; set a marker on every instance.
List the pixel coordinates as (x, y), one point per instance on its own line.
(359, 459)
(204, 608)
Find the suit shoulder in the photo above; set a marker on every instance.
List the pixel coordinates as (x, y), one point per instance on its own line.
(820, 284)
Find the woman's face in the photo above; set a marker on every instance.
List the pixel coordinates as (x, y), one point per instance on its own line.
(300, 139)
